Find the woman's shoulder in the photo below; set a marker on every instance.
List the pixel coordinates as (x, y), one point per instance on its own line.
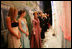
(7, 18)
(24, 19)
(20, 19)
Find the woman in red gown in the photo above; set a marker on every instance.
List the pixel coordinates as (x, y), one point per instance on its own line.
(35, 40)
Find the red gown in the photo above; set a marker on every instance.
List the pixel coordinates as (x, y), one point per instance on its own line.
(35, 40)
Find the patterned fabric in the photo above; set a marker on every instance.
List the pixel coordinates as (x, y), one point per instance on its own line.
(35, 40)
(13, 42)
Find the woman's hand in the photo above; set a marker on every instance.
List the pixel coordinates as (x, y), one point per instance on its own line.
(19, 35)
(27, 34)
(33, 30)
(34, 33)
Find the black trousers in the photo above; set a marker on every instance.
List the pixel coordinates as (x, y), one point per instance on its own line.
(42, 34)
(44, 29)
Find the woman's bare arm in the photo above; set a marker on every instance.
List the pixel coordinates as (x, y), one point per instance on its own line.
(33, 27)
(27, 27)
(8, 22)
(20, 27)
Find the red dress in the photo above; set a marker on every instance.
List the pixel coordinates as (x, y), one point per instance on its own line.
(35, 40)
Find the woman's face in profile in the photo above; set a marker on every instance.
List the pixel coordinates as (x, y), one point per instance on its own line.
(23, 14)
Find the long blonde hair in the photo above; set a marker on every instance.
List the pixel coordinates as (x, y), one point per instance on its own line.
(11, 12)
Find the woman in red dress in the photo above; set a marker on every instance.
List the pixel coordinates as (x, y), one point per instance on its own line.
(36, 33)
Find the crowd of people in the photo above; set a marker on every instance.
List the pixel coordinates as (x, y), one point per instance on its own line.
(18, 29)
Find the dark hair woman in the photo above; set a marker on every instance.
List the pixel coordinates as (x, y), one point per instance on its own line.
(23, 29)
(36, 34)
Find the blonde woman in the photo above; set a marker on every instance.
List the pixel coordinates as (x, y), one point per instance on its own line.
(12, 25)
